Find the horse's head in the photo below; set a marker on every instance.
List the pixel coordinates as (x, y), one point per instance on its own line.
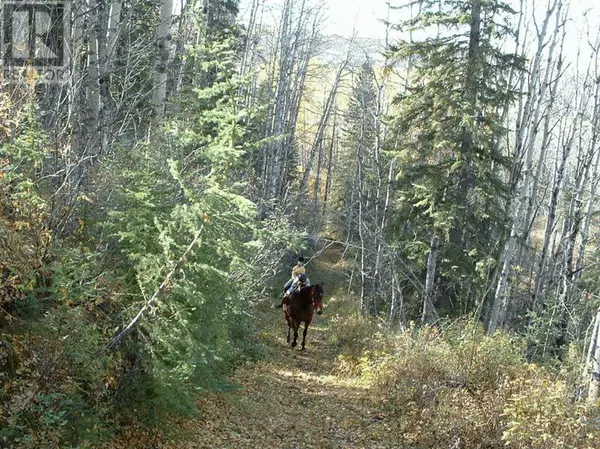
(317, 293)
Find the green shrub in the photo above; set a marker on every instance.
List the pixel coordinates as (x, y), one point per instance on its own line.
(352, 336)
(58, 396)
(462, 388)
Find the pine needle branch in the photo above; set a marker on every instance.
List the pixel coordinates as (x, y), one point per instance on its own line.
(118, 339)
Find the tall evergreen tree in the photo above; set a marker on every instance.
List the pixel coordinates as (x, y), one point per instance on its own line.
(447, 128)
(357, 141)
(182, 222)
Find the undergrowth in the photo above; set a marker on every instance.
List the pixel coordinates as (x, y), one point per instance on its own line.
(461, 388)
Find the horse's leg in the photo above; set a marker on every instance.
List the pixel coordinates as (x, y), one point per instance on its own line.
(289, 323)
(296, 327)
(306, 323)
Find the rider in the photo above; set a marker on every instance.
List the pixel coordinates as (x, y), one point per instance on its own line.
(298, 276)
(296, 271)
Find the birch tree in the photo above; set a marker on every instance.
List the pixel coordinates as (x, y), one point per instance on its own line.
(525, 144)
(593, 357)
(296, 44)
(163, 56)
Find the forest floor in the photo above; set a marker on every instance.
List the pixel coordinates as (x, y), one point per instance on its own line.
(293, 399)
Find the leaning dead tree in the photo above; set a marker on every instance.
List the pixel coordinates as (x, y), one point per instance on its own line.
(119, 337)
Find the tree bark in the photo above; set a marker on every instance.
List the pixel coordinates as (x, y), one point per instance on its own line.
(550, 223)
(594, 357)
(163, 56)
(523, 157)
(429, 313)
(330, 164)
(93, 68)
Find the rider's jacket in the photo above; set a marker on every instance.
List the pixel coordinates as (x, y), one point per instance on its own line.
(297, 270)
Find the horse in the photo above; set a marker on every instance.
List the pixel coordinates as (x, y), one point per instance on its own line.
(301, 307)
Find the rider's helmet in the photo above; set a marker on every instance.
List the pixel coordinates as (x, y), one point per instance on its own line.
(302, 277)
(300, 260)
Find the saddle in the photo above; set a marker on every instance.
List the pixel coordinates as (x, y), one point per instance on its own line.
(287, 300)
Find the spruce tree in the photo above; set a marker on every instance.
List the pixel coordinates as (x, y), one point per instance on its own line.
(447, 131)
(181, 197)
(357, 142)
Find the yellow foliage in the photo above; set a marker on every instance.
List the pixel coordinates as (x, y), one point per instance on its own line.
(540, 415)
(461, 388)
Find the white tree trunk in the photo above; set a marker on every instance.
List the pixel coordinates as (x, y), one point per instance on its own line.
(594, 357)
(525, 139)
(163, 40)
(113, 30)
(93, 68)
(595, 122)
(361, 226)
(550, 225)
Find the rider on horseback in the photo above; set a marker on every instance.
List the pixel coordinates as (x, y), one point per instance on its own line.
(296, 271)
(298, 279)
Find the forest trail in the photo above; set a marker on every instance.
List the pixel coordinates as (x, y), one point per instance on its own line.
(292, 399)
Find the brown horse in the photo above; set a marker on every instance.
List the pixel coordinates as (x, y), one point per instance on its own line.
(301, 307)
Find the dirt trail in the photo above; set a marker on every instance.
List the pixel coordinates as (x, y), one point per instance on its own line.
(292, 399)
